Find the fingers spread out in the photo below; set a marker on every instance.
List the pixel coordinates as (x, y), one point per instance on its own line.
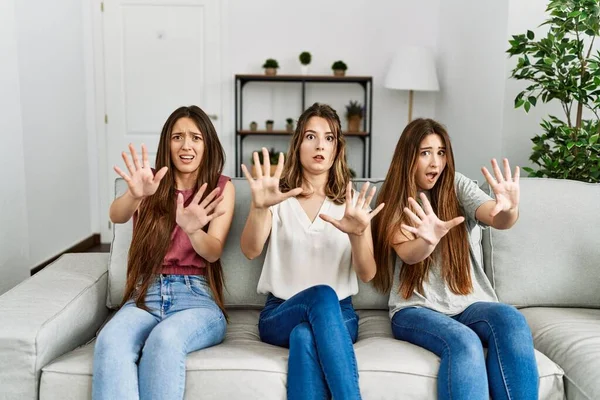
(160, 174)
(210, 197)
(259, 172)
(198, 195)
(419, 211)
(292, 193)
(122, 174)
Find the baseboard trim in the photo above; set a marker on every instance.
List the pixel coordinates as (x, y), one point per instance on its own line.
(80, 247)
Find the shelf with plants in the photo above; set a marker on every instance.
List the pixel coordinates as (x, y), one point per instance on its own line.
(361, 112)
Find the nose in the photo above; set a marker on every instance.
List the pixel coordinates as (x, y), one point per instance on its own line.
(187, 141)
(321, 144)
(435, 160)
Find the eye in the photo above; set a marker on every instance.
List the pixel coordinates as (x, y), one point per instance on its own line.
(176, 137)
(310, 136)
(330, 138)
(425, 153)
(197, 138)
(442, 152)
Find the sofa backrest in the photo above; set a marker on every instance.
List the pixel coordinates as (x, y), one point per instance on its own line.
(241, 274)
(551, 257)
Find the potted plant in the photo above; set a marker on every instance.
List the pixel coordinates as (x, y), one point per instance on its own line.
(289, 126)
(253, 126)
(339, 68)
(305, 59)
(269, 125)
(561, 67)
(271, 66)
(273, 159)
(354, 116)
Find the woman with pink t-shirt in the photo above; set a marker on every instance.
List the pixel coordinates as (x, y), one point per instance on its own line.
(173, 301)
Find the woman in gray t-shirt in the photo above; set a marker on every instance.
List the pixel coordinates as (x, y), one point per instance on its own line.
(440, 298)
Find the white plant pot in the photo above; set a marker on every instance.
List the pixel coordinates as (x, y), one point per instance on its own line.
(304, 69)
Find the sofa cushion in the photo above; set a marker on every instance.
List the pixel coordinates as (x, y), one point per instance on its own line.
(551, 257)
(244, 367)
(571, 338)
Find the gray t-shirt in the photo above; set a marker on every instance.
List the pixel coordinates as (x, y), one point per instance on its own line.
(436, 294)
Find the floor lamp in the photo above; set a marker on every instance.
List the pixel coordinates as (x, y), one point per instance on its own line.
(412, 69)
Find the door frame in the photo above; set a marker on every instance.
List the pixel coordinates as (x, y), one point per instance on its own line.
(97, 119)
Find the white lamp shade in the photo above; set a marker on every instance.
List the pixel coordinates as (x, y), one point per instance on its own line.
(412, 68)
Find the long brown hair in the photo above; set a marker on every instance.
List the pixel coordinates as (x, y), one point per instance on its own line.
(156, 215)
(399, 184)
(339, 174)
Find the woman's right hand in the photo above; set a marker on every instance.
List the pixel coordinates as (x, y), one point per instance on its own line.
(265, 188)
(427, 225)
(141, 181)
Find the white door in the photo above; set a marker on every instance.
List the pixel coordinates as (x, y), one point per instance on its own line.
(158, 55)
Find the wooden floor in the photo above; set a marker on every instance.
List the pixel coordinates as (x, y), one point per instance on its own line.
(99, 248)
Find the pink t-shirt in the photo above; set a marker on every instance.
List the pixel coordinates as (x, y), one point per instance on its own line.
(181, 258)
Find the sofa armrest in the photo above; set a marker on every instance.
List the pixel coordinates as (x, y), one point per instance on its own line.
(48, 315)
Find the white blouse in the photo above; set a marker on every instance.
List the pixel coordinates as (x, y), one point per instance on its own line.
(302, 254)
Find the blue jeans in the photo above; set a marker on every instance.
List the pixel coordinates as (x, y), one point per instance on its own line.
(319, 331)
(510, 369)
(151, 347)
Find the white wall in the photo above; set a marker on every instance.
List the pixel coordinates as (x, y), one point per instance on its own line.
(364, 34)
(14, 246)
(44, 104)
(471, 61)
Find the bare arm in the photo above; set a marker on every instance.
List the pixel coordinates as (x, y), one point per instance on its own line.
(363, 258)
(503, 220)
(256, 231)
(122, 208)
(265, 193)
(413, 251)
(503, 212)
(209, 245)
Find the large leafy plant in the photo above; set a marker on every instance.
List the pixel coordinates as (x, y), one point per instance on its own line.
(564, 67)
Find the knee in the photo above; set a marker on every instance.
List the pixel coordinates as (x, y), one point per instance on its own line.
(301, 338)
(112, 343)
(323, 294)
(165, 337)
(466, 345)
(508, 319)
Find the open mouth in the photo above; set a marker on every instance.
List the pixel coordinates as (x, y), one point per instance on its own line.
(186, 159)
(319, 158)
(431, 176)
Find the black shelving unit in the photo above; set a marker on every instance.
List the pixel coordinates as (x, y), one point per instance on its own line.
(366, 83)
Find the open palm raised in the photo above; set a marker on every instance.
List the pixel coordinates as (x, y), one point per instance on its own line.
(506, 188)
(198, 214)
(140, 181)
(356, 216)
(427, 225)
(265, 188)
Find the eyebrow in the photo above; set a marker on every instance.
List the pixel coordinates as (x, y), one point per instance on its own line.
(311, 131)
(183, 133)
(431, 148)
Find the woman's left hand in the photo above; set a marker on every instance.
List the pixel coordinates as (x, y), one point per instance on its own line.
(506, 188)
(356, 217)
(198, 214)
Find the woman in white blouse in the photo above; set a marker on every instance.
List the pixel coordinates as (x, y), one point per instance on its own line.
(320, 240)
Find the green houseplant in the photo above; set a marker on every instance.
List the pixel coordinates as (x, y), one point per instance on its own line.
(289, 124)
(271, 66)
(269, 125)
(305, 59)
(562, 66)
(354, 115)
(273, 159)
(339, 68)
